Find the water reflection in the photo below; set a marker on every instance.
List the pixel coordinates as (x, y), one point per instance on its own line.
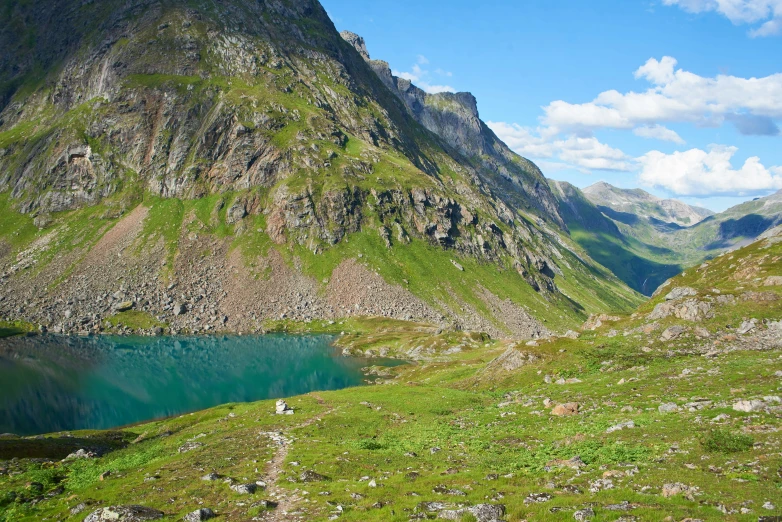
(51, 383)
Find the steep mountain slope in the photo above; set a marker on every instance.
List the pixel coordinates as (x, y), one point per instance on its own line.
(204, 166)
(641, 204)
(643, 266)
(641, 238)
(454, 117)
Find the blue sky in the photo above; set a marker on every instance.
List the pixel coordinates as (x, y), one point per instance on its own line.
(680, 97)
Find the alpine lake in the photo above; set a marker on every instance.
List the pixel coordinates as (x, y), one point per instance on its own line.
(58, 383)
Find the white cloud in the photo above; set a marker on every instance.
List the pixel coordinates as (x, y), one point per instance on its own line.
(658, 132)
(770, 28)
(696, 172)
(676, 96)
(740, 12)
(423, 78)
(707, 173)
(583, 153)
(659, 73)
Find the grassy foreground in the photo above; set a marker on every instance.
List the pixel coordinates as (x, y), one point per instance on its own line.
(656, 435)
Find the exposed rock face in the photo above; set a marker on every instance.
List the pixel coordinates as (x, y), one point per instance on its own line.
(689, 310)
(679, 292)
(564, 410)
(124, 514)
(510, 360)
(454, 118)
(357, 42)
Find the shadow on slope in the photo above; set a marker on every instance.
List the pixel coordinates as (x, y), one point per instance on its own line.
(749, 226)
(640, 274)
(623, 217)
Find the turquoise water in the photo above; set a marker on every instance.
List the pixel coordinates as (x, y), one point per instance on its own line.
(51, 383)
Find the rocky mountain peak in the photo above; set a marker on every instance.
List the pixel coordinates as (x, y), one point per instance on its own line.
(357, 42)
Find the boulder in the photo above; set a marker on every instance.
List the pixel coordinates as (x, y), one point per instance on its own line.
(312, 476)
(200, 515)
(621, 426)
(747, 326)
(124, 514)
(562, 410)
(282, 408)
(123, 306)
(596, 321)
(773, 281)
(677, 488)
(668, 407)
(749, 406)
(236, 213)
(81, 454)
(672, 333)
(584, 514)
(245, 489)
(679, 292)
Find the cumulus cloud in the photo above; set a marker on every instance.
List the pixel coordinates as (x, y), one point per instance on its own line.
(584, 153)
(676, 95)
(709, 172)
(740, 12)
(423, 78)
(658, 132)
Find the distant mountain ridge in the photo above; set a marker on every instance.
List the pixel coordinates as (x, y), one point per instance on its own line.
(645, 240)
(643, 204)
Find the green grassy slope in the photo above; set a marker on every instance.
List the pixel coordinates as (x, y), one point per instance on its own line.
(459, 430)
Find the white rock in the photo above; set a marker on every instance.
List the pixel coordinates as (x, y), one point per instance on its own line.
(668, 407)
(621, 426)
(283, 408)
(749, 406)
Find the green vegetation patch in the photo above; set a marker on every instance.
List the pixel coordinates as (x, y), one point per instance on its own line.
(135, 320)
(723, 441)
(11, 328)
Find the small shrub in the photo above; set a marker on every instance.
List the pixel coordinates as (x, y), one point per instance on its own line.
(369, 444)
(722, 441)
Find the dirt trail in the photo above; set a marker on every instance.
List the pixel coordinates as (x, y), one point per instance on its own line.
(286, 502)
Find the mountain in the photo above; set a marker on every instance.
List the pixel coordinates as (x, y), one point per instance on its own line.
(191, 166)
(643, 239)
(644, 205)
(642, 265)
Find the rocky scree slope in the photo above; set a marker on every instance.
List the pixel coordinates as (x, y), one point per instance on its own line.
(200, 166)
